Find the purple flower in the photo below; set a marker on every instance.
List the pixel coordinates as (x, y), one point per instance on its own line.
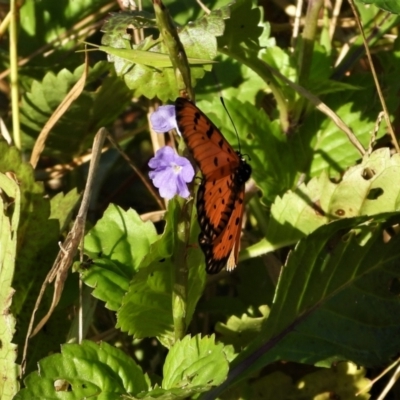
(163, 120)
(171, 173)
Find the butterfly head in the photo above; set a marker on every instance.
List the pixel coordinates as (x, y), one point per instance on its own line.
(243, 173)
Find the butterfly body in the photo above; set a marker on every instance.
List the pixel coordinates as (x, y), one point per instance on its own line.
(220, 198)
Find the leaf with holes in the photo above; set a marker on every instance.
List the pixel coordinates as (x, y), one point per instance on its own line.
(369, 188)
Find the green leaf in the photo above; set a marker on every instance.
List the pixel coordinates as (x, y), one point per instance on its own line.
(238, 81)
(368, 188)
(243, 28)
(192, 366)
(10, 203)
(365, 189)
(38, 29)
(75, 131)
(62, 207)
(319, 81)
(335, 291)
(331, 149)
(281, 60)
(387, 5)
(84, 371)
(133, 270)
(195, 361)
(240, 331)
(117, 245)
(115, 26)
(37, 239)
(146, 310)
(198, 38)
(149, 58)
(147, 307)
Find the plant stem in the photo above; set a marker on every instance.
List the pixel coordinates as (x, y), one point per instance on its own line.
(308, 39)
(181, 272)
(14, 74)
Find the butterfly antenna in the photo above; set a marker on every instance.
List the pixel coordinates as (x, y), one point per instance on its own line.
(234, 127)
(218, 84)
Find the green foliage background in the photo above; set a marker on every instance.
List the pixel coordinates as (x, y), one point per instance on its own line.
(316, 292)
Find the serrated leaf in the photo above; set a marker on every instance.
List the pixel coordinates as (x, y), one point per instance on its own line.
(115, 27)
(369, 188)
(37, 238)
(243, 27)
(295, 215)
(147, 308)
(195, 361)
(117, 244)
(10, 203)
(199, 41)
(105, 372)
(74, 132)
(85, 370)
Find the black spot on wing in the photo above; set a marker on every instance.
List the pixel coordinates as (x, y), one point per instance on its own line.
(196, 118)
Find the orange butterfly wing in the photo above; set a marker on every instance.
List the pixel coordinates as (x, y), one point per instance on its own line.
(221, 193)
(221, 246)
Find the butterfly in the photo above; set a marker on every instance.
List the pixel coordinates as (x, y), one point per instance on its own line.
(220, 197)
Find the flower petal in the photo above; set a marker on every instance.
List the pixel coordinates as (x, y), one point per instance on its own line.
(162, 176)
(171, 172)
(187, 172)
(163, 119)
(163, 157)
(168, 189)
(182, 188)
